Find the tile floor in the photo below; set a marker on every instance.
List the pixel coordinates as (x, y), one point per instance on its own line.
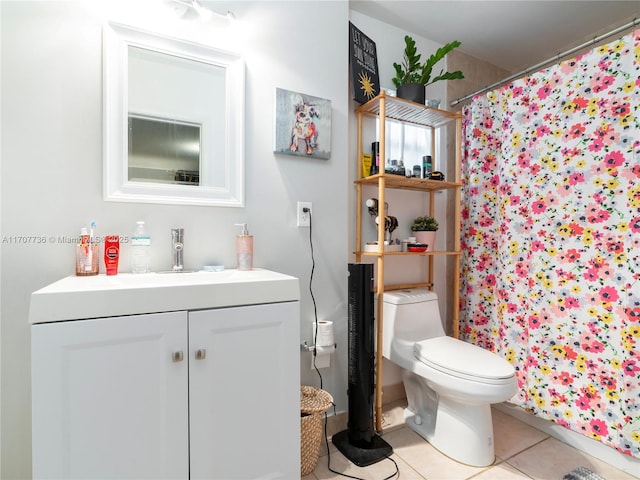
(522, 452)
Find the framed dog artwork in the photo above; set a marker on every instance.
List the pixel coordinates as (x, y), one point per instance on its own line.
(303, 125)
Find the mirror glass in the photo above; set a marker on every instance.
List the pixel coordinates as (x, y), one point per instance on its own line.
(173, 120)
(163, 151)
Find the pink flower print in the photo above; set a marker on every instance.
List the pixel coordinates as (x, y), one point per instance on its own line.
(576, 229)
(614, 159)
(490, 280)
(601, 82)
(571, 302)
(576, 130)
(522, 270)
(575, 178)
(544, 91)
(505, 189)
(537, 246)
(608, 294)
(596, 145)
(488, 122)
(480, 319)
(594, 346)
(489, 164)
(534, 321)
(523, 159)
(565, 378)
(581, 102)
(568, 66)
(634, 224)
(608, 382)
(542, 130)
(596, 215)
(570, 353)
(570, 257)
(615, 246)
(619, 108)
(485, 220)
(598, 428)
(569, 153)
(539, 206)
(559, 311)
(629, 367)
(632, 313)
(591, 275)
(583, 403)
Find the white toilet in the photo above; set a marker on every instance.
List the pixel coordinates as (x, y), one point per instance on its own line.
(450, 384)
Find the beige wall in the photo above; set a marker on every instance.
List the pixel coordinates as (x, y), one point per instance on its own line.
(477, 75)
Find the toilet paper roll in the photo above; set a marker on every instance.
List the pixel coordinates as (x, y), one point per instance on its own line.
(322, 358)
(325, 333)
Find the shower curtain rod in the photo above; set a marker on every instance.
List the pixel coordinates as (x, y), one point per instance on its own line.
(549, 61)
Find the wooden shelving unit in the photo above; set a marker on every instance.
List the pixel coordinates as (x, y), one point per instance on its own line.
(386, 108)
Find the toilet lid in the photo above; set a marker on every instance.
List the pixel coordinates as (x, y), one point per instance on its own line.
(458, 357)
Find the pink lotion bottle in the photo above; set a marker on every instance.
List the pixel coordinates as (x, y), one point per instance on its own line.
(244, 248)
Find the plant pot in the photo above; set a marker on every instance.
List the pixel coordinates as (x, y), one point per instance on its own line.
(412, 91)
(427, 238)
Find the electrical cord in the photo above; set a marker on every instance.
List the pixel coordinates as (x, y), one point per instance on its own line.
(315, 351)
(313, 298)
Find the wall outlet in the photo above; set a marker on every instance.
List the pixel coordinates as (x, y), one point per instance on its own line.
(304, 218)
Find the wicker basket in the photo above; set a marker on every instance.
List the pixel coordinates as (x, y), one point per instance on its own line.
(313, 403)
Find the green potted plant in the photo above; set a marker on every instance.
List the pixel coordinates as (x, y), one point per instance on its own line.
(412, 76)
(424, 228)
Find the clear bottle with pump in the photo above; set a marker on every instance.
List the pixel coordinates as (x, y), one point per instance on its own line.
(140, 249)
(244, 248)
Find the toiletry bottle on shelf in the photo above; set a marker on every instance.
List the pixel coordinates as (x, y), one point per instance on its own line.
(244, 248)
(375, 158)
(427, 166)
(140, 249)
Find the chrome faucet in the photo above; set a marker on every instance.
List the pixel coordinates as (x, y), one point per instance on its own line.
(177, 249)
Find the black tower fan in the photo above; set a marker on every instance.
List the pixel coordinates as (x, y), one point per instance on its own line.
(360, 443)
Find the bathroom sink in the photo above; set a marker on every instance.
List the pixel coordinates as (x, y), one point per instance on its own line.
(127, 294)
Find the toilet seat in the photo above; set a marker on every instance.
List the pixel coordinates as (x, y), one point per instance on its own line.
(463, 360)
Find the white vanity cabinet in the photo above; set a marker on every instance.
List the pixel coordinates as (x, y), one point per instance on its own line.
(108, 401)
(210, 393)
(242, 392)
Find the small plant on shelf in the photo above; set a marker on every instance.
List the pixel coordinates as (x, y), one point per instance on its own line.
(424, 224)
(411, 76)
(412, 71)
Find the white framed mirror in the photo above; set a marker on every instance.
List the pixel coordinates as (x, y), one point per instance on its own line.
(173, 120)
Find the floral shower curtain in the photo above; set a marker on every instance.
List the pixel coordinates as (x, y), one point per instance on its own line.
(551, 239)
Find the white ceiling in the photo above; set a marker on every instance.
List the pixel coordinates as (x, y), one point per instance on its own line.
(512, 34)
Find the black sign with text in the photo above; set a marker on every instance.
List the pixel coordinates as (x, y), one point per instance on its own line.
(363, 62)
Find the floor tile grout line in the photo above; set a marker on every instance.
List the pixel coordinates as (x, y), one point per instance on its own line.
(525, 449)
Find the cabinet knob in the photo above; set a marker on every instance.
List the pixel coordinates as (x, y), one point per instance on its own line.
(201, 354)
(177, 356)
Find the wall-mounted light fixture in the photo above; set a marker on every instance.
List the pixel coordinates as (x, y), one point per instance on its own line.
(182, 7)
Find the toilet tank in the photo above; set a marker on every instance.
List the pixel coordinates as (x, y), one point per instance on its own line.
(410, 316)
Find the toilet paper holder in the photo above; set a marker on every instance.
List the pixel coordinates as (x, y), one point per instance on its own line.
(305, 347)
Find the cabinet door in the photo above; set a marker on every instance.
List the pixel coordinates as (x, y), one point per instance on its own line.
(109, 401)
(244, 394)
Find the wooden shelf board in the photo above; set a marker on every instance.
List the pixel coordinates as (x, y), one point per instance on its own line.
(423, 254)
(407, 111)
(405, 183)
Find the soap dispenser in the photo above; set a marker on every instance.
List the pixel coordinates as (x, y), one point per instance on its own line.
(244, 248)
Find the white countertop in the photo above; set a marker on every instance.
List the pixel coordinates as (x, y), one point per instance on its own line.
(97, 296)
